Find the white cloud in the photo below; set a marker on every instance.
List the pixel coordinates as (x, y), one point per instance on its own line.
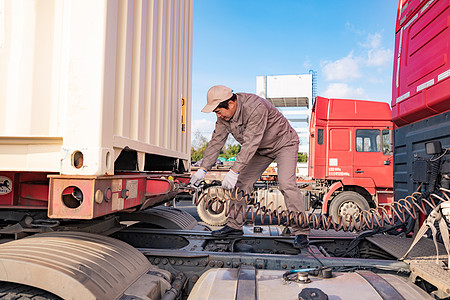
(350, 27)
(373, 41)
(343, 90)
(307, 64)
(362, 67)
(375, 80)
(203, 125)
(346, 68)
(379, 57)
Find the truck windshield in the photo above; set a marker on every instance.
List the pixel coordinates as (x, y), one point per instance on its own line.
(368, 140)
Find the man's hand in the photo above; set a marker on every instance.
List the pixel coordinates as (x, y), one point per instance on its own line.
(230, 180)
(198, 177)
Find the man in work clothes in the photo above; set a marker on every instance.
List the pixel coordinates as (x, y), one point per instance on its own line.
(265, 135)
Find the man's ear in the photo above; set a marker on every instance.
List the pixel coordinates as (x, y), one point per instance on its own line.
(232, 103)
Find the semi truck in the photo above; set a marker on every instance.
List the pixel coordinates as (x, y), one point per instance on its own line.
(350, 156)
(95, 100)
(420, 97)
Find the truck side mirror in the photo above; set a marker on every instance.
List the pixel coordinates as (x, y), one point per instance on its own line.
(432, 148)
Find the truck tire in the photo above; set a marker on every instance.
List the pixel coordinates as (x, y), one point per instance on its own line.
(212, 213)
(9, 290)
(347, 203)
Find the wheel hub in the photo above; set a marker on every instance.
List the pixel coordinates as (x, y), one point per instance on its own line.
(217, 207)
(349, 209)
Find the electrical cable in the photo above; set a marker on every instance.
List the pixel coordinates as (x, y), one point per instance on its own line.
(401, 212)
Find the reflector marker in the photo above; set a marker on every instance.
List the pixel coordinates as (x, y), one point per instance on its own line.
(402, 20)
(426, 6)
(412, 20)
(399, 57)
(403, 97)
(405, 6)
(443, 75)
(425, 85)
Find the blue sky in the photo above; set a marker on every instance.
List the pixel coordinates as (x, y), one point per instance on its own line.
(350, 43)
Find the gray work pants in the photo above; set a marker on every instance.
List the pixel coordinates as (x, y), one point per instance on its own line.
(286, 159)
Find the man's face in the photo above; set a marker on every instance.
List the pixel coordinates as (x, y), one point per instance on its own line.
(226, 114)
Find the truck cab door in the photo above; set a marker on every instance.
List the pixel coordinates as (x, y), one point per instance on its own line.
(372, 157)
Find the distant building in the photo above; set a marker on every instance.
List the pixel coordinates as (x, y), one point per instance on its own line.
(293, 96)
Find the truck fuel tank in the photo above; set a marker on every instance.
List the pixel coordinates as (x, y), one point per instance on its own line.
(269, 284)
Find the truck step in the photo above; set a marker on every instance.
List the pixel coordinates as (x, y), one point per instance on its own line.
(421, 259)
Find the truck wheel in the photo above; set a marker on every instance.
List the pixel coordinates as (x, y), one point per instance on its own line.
(346, 204)
(212, 213)
(9, 290)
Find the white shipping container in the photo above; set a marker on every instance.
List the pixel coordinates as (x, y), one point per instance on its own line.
(93, 77)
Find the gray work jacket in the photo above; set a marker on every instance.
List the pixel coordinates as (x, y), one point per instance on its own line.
(257, 125)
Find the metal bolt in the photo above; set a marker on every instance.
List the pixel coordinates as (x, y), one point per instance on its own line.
(99, 196)
(194, 278)
(180, 262)
(220, 264)
(124, 193)
(172, 261)
(284, 266)
(157, 261)
(212, 264)
(164, 261)
(28, 220)
(302, 277)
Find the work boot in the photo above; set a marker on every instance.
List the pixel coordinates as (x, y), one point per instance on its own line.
(301, 241)
(226, 231)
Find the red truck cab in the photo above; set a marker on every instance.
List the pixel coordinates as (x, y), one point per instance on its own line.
(350, 154)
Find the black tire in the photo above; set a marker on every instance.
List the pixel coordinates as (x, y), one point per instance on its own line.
(9, 290)
(212, 213)
(347, 202)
